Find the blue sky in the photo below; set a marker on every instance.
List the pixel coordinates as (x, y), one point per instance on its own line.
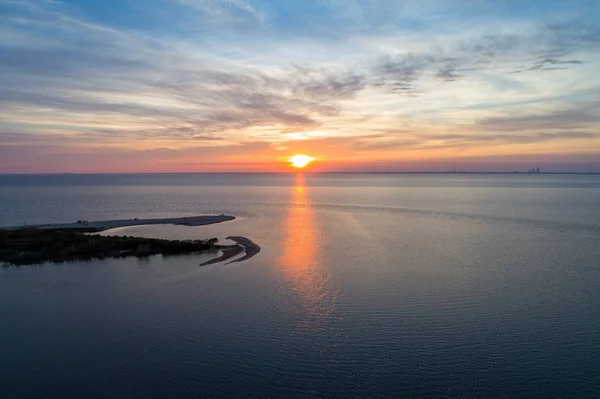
(206, 85)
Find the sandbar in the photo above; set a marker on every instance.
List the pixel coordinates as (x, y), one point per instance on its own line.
(113, 224)
(242, 244)
(227, 253)
(251, 248)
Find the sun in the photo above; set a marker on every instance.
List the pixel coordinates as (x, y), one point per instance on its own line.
(300, 161)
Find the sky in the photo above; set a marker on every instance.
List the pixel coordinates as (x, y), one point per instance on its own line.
(121, 86)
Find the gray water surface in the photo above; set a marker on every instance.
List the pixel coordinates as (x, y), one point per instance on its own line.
(366, 286)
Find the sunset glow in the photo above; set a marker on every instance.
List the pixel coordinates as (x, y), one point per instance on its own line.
(236, 86)
(300, 161)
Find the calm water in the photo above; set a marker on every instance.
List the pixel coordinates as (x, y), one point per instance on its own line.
(367, 285)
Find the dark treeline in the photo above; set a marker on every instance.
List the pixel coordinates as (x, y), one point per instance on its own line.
(31, 246)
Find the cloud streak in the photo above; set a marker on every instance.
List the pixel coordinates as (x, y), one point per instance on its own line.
(94, 81)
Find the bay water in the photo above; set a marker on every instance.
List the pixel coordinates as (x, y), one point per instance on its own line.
(367, 285)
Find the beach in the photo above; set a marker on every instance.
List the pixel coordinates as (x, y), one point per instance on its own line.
(113, 224)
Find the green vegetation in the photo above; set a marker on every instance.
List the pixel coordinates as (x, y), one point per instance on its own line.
(31, 246)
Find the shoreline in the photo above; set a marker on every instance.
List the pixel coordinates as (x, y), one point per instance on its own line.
(36, 246)
(59, 242)
(98, 226)
(36, 243)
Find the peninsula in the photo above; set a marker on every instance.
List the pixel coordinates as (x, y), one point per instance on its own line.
(99, 226)
(62, 242)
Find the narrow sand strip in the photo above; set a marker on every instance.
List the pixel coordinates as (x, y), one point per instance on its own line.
(228, 252)
(113, 224)
(243, 244)
(251, 248)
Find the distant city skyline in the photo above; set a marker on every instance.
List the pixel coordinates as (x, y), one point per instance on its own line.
(124, 86)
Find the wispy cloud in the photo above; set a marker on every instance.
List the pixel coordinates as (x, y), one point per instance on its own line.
(229, 10)
(402, 74)
(585, 115)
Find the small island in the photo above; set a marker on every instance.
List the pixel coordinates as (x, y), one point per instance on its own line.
(56, 243)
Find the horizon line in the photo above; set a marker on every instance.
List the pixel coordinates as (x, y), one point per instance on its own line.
(302, 172)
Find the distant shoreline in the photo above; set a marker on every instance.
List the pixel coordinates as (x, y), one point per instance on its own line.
(307, 172)
(99, 226)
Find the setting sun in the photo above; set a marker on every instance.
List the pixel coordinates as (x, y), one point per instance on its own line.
(300, 161)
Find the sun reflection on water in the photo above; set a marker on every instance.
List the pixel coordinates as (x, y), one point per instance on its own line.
(302, 259)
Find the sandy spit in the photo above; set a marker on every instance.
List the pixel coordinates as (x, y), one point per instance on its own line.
(242, 244)
(113, 224)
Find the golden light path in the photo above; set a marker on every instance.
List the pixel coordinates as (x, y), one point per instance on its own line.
(302, 260)
(300, 161)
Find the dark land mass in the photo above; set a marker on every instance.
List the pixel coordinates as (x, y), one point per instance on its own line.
(34, 246)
